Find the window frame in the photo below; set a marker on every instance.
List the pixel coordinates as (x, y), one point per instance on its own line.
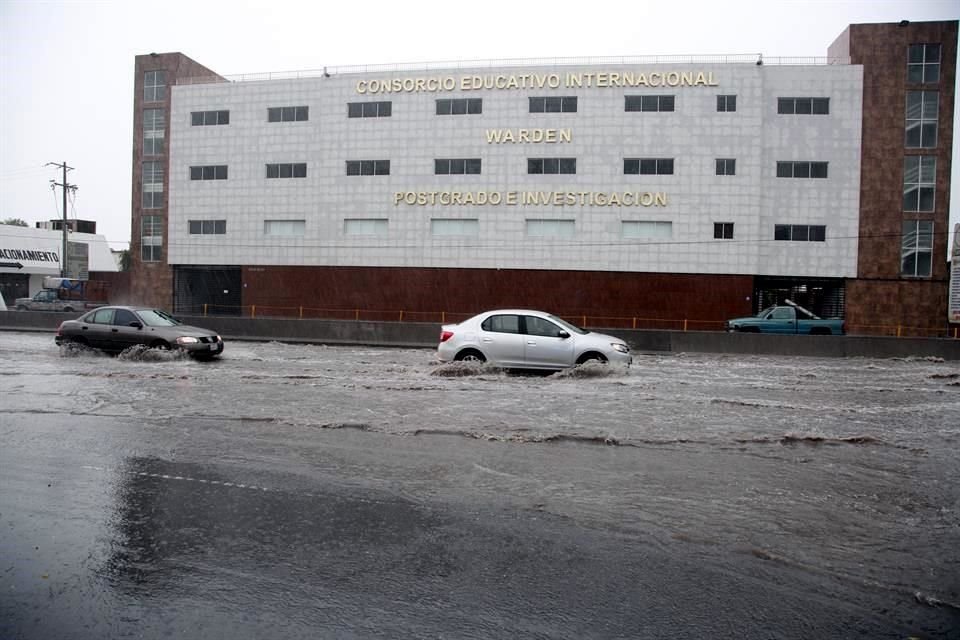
(663, 103)
(924, 184)
(207, 227)
(551, 166)
(921, 120)
(803, 106)
(648, 166)
(284, 170)
(803, 169)
(375, 109)
(723, 230)
(367, 167)
(726, 166)
(155, 85)
(299, 113)
(452, 106)
(914, 249)
(553, 104)
(923, 64)
(726, 103)
(800, 232)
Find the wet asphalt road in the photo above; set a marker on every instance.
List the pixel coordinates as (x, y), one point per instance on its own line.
(290, 491)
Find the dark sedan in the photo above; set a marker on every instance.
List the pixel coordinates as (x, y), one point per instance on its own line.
(116, 328)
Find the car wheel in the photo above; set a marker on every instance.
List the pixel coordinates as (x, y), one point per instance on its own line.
(20, 307)
(470, 355)
(592, 356)
(160, 345)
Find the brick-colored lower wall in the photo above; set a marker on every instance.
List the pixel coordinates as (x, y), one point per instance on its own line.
(151, 284)
(426, 293)
(886, 307)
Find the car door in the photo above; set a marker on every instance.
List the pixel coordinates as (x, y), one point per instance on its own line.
(544, 344)
(502, 340)
(122, 335)
(783, 320)
(97, 329)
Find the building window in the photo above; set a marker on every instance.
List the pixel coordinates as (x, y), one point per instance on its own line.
(919, 183)
(723, 230)
(802, 169)
(208, 227)
(287, 114)
(548, 228)
(551, 165)
(726, 103)
(923, 63)
(565, 104)
(154, 86)
(922, 112)
(916, 249)
(153, 132)
(365, 226)
(458, 106)
(803, 106)
(649, 103)
(454, 227)
(648, 166)
(152, 181)
(456, 166)
(726, 167)
(151, 238)
(368, 167)
(800, 232)
(647, 229)
(369, 109)
(284, 227)
(210, 172)
(287, 170)
(201, 118)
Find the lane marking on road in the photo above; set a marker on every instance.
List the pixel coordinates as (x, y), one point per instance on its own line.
(165, 476)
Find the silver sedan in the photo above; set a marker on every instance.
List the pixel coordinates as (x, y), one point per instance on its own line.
(527, 339)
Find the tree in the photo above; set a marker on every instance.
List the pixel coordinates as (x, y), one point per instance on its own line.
(16, 222)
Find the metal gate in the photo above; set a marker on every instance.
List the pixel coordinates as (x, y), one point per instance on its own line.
(213, 290)
(822, 296)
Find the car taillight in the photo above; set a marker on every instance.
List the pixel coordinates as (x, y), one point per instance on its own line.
(445, 335)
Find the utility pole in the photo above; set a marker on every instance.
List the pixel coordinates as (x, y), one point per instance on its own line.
(64, 185)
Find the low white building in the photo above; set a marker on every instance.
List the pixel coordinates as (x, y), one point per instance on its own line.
(28, 255)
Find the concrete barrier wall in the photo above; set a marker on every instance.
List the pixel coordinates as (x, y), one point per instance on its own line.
(426, 335)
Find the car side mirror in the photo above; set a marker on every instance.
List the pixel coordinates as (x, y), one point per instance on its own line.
(563, 334)
(136, 325)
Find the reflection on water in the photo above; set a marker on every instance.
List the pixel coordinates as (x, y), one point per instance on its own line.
(177, 526)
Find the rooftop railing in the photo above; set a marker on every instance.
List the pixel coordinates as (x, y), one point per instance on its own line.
(461, 65)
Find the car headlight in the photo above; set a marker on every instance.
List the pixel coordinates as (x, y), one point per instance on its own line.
(187, 340)
(622, 348)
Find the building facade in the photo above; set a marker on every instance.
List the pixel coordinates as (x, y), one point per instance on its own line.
(652, 191)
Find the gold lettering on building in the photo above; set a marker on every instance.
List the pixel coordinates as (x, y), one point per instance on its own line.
(526, 81)
(532, 198)
(535, 136)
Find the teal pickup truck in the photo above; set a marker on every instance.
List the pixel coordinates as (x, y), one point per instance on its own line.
(787, 319)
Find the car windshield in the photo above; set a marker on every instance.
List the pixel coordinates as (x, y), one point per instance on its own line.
(157, 318)
(765, 311)
(566, 325)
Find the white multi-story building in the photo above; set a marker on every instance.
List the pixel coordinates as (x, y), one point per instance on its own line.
(653, 189)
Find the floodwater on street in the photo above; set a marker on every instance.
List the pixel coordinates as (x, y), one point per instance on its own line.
(828, 480)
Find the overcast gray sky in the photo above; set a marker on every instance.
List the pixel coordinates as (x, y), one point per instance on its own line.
(66, 67)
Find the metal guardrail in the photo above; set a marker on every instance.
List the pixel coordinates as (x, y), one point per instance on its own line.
(586, 321)
(461, 65)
